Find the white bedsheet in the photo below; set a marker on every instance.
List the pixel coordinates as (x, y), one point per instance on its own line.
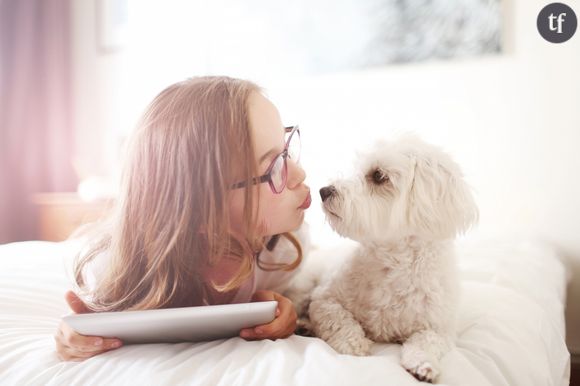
(511, 332)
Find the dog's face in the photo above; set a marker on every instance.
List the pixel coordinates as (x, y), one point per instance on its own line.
(403, 188)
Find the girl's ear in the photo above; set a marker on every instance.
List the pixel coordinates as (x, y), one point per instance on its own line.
(440, 203)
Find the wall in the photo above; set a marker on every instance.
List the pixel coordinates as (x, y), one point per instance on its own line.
(98, 94)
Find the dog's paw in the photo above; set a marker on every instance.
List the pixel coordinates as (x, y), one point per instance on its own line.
(351, 345)
(421, 369)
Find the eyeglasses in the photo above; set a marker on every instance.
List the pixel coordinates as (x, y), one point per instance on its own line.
(277, 173)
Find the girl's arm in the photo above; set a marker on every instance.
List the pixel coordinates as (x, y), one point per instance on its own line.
(281, 327)
(71, 346)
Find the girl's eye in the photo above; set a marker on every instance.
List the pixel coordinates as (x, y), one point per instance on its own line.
(379, 177)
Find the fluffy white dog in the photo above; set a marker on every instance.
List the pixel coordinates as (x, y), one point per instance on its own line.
(405, 206)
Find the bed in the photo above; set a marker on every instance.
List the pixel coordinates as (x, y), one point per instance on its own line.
(510, 332)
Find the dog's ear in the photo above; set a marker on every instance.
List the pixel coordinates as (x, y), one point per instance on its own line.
(440, 203)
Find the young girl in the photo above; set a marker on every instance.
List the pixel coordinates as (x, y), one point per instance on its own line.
(210, 191)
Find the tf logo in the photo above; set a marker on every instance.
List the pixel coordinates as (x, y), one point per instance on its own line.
(557, 22)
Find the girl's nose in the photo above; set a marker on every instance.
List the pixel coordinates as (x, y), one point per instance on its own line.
(296, 175)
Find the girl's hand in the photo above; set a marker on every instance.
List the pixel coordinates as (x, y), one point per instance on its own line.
(72, 346)
(281, 327)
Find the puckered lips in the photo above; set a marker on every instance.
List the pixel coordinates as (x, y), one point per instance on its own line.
(307, 202)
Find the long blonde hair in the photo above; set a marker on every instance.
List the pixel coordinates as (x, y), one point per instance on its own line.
(172, 213)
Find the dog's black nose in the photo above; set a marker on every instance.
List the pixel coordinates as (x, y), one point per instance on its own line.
(327, 191)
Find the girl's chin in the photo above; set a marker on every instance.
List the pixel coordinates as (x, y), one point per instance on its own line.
(299, 221)
(292, 226)
(302, 214)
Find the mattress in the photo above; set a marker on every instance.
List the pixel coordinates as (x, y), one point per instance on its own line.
(510, 332)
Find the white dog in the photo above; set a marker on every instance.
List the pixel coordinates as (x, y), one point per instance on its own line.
(405, 206)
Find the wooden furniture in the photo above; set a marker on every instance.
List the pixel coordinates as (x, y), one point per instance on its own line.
(59, 214)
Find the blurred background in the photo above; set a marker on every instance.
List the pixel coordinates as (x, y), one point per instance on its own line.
(473, 76)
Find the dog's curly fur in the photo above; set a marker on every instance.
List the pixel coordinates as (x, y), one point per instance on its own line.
(405, 206)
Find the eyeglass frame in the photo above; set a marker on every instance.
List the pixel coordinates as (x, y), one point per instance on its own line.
(267, 177)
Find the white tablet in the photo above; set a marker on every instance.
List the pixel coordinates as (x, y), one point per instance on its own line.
(174, 324)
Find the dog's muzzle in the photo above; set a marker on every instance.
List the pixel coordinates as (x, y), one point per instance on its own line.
(327, 191)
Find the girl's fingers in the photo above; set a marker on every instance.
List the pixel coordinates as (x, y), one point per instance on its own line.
(72, 346)
(106, 345)
(67, 352)
(74, 355)
(84, 343)
(290, 327)
(281, 327)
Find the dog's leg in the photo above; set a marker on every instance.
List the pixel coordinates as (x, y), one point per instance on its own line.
(421, 353)
(338, 327)
(316, 268)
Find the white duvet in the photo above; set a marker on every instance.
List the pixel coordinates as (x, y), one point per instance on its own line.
(511, 332)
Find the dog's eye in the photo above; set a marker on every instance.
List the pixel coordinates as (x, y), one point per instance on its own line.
(379, 177)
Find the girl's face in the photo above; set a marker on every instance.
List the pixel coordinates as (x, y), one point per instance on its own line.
(282, 212)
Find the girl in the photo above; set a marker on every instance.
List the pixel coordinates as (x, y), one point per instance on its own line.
(210, 191)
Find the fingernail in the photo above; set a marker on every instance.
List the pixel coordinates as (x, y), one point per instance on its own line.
(98, 342)
(258, 330)
(116, 344)
(244, 334)
(277, 311)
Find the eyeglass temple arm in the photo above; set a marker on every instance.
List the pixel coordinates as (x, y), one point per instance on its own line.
(255, 180)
